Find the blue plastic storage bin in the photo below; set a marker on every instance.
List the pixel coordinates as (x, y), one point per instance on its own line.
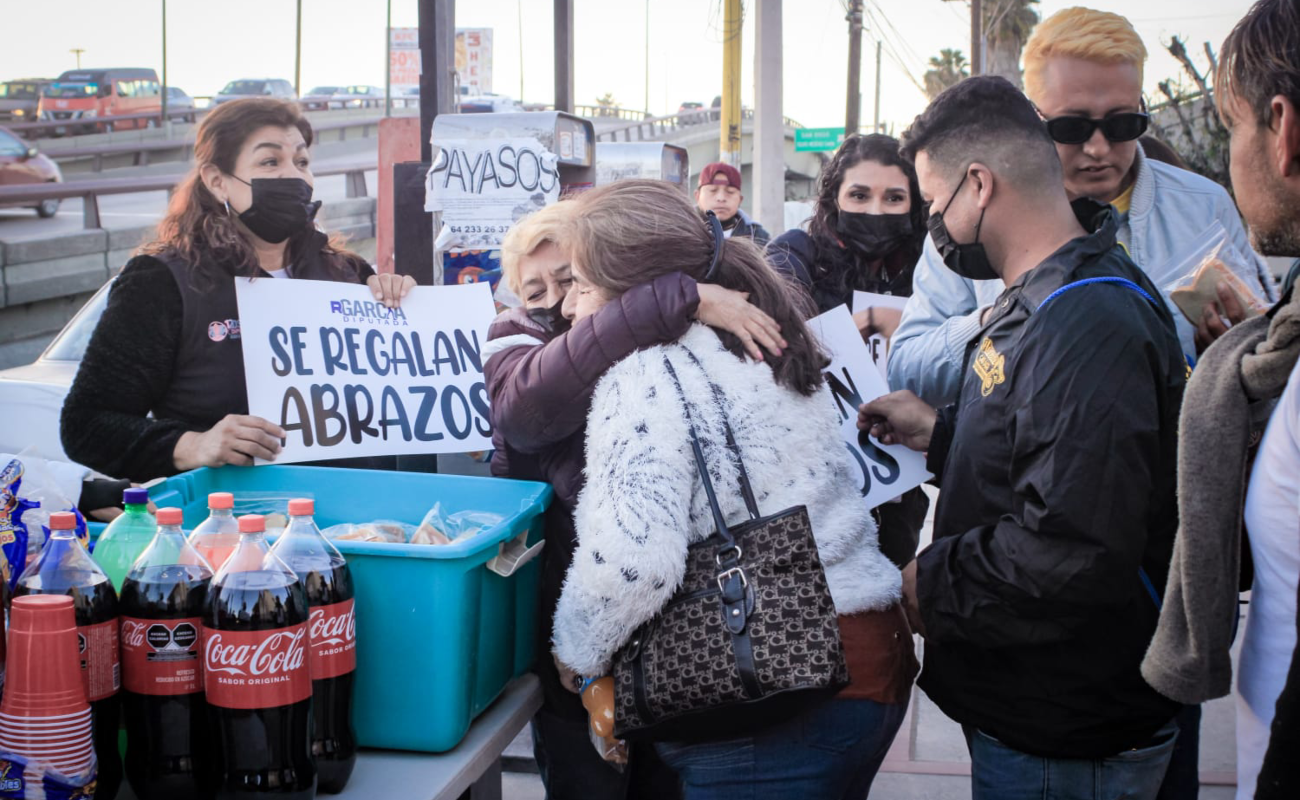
(439, 634)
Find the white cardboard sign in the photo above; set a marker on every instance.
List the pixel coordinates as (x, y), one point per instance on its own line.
(887, 471)
(877, 344)
(345, 376)
(483, 186)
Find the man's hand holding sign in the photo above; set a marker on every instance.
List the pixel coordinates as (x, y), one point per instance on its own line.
(340, 375)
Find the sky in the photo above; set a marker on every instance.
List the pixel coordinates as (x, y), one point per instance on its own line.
(343, 42)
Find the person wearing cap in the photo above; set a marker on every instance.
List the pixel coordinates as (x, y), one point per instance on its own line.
(719, 192)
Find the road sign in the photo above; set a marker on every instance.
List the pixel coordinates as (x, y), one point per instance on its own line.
(812, 139)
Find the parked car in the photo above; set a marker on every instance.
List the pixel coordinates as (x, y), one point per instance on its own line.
(90, 94)
(323, 97)
(32, 395)
(363, 97)
(689, 106)
(487, 103)
(20, 163)
(255, 87)
(178, 100)
(19, 99)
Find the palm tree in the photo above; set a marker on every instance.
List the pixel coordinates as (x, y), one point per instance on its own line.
(946, 69)
(1007, 25)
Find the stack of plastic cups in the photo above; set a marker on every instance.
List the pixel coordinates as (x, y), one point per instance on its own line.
(44, 716)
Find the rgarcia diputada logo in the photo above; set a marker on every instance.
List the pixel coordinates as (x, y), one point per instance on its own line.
(369, 311)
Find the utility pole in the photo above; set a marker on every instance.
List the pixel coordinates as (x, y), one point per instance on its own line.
(853, 103)
(768, 194)
(875, 126)
(297, 56)
(519, 9)
(77, 51)
(164, 120)
(729, 147)
(647, 57)
(976, 37)
(564, 55)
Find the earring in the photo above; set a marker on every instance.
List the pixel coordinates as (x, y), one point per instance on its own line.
(227, 202)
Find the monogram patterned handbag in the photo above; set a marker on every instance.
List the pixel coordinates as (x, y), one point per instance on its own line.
(749, 638)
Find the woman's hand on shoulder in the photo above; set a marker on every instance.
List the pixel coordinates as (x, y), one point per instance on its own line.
(731, 311)
(236, 439)
(390, 288)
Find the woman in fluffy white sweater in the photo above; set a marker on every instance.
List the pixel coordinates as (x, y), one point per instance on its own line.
(644, 503)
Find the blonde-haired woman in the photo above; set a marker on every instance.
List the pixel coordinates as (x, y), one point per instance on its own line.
(540, 373)
(644, 503)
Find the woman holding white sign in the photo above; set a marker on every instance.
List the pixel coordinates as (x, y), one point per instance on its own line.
(866, 235)
(161, 387)
(768, 435)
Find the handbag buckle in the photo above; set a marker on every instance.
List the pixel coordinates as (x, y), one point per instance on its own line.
(723, 577)
(739, 554)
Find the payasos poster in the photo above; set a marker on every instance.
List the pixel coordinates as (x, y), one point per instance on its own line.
(345, 376)
(886, 471)
(483, 186)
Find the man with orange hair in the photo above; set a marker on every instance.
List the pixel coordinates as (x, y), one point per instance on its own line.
(1083, 70)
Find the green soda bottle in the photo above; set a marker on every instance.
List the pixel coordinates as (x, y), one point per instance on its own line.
(126, 537)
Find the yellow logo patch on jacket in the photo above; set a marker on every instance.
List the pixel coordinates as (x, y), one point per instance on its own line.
(988, 366)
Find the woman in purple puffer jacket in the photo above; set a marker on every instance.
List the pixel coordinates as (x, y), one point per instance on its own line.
(540, 376)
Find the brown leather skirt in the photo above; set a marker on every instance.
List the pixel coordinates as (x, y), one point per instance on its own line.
(881, 655)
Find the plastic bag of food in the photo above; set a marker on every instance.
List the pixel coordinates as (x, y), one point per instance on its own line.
(21, 777)
(439, 527)
(274, 506)
(381, 530)
(29, 492)
(1192, 282)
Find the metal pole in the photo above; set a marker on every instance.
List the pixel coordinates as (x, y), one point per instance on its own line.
(768, 198)
(564, 55)
(876, 123)
(647, 57)
(976, 37)
(729, 147)
(388, 63)
(520, 7)
(437, 63)
(163, 120)
(297, 56)
(77, 51)
(853, 103)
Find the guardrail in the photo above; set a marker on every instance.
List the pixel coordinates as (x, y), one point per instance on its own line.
(34, 130)
(141, 150)
(656, 127)
(91, 191)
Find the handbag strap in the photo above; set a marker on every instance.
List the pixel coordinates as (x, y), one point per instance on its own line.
(719, 521)
(746, 489)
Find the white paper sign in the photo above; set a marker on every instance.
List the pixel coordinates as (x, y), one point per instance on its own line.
(404, 59)
(887, 470)
(483, 186)
(877, 344)
(345, 376)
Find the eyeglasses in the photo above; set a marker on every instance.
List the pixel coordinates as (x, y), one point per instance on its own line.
(1123, 127)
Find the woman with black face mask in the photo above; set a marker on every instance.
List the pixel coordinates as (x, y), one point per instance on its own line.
(161, 387)
(866, 234)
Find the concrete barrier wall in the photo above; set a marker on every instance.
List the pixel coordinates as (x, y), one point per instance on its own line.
(43, 282)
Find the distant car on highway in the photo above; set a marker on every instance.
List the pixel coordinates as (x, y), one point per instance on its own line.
(19, 99)
(90, 94)
(689, 106)
(488, 103)
(255, 87)
(323, 97)
(32, 395)
(359, 96)
(20, 164)
(178, 100)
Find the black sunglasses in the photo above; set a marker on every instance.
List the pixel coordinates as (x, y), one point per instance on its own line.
(1123, 127)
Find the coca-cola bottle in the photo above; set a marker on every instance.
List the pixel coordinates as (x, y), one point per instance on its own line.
(64, 567)
(256, 674)
(217, 536)
(162, 603)
(324, 572)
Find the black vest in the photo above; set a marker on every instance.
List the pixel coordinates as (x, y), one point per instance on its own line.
(207, 380)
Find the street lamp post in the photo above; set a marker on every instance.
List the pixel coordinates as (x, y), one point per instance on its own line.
(163, 121)
(77, 51)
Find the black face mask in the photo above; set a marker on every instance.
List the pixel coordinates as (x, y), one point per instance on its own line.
(281, 208)
(552, 319)
(874, 235)
(967, 260)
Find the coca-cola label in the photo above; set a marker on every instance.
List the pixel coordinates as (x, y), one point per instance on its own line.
(100, 671)
(161, 656)
(333, 640)
(256, 669)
